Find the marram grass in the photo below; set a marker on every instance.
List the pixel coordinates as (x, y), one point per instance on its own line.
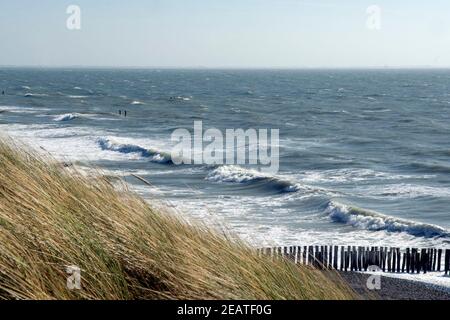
(52, 217)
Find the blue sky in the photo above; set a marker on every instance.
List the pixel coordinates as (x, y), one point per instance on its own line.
(226, 33)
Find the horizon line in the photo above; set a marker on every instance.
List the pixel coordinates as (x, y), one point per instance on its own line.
(225, 67)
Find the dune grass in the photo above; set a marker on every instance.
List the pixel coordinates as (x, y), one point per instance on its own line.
(52, 217)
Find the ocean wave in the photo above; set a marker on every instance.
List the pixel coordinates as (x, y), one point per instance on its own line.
(404, 190)
(35, 95)
(352, 175)
(374, 221)
(17, 109)
(77, 97)
(153, 154)
(66, 117)
(180, 98)
(236, 174)
(429, 167)
(136, 102)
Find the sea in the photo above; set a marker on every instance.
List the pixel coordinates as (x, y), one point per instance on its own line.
(364, 155)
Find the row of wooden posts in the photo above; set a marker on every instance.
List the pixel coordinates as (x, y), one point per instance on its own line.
(352, 258)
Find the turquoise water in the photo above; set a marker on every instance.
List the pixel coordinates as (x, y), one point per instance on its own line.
(364, 154)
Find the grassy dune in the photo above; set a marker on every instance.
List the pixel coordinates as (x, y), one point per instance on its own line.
(52, 217)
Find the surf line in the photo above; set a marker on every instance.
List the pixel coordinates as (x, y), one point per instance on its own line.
(230, 148)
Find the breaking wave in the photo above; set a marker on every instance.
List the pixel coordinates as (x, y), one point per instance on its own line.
(374, 221)
(236, 174)
(66, 117)
(153, 154)
(36, 95)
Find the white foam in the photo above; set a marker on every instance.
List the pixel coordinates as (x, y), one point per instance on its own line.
(352, 175)
(131, 147)
(66, 117)
(18, 109)
(29, 94)
(405, 190)
(236, 174)
(77, 97)
(374, 221)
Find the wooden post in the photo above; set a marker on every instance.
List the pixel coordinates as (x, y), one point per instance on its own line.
(382, 261)
(398, 259)
(376, 259)
(439, 260)
(349, 257)
(350, 252)
(330, 257)
(311, 255)
(352, 258)
(316, 256)
(322, 256)
(374, 256)
(359, 259)
(304, 255)
(408, 260)
(335, 258)
(346, 253)
(424, 260)
(404, 262)
(389, 260)
(430, 259)
(447, 261)
(342, 258)
(417, 261)
(434, 259)
(366, 258)
(413, 260)
(363, 257)
(394, 259)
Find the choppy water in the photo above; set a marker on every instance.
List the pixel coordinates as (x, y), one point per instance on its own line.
(364, 155)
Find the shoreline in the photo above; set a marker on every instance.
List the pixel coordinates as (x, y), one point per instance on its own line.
(394, 288)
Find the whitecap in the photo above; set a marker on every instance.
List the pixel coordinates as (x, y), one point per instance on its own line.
(374, 221)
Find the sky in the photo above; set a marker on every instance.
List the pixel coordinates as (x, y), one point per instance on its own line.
(226, 33)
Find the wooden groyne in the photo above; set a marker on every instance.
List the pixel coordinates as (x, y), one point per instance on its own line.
(353, 258)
